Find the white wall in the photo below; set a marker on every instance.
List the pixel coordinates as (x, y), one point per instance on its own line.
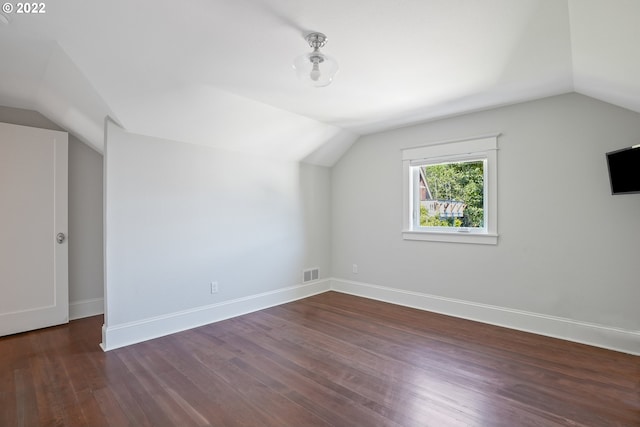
(567, 247)
(85, 216)
(86, 256)
(179, 216)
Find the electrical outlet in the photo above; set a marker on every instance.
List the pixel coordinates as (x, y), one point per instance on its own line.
(354, 269)
(214, 287)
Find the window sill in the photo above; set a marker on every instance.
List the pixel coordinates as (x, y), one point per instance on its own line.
(454, 237)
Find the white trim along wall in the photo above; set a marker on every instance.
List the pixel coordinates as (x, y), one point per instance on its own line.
(86, 308)
(556, 327)
(145, 329)
(551, 326)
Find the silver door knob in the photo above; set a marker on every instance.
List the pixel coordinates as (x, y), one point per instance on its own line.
(60, 237)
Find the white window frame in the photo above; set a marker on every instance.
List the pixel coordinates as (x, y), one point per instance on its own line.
(477, 148)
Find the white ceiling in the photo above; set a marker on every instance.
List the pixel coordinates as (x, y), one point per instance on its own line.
(218, 72)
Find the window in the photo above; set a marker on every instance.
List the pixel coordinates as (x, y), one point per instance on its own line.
(450, 191)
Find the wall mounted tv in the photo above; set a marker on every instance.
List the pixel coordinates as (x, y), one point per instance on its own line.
(624, 170)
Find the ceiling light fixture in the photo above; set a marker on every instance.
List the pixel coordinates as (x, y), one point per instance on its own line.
(316, 68)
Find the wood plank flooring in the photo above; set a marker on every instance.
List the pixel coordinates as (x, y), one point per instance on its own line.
(328, 360)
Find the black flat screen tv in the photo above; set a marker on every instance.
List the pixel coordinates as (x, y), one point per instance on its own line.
(624, 170)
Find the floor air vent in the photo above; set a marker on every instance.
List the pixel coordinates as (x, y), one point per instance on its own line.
(310, 275)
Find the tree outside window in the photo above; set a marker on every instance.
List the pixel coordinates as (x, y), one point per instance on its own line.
(452, 194)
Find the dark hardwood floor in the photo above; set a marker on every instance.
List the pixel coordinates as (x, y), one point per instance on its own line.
(328, 360)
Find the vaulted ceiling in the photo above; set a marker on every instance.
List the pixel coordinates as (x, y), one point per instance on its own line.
(219, 72)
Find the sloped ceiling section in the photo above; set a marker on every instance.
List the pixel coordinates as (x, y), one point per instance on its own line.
(218, 72)
(605, 39)
(37, 74)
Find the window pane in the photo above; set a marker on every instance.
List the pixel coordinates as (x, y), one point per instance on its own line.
(452, 194)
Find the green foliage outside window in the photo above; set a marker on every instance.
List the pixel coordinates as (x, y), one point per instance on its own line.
(462, 182)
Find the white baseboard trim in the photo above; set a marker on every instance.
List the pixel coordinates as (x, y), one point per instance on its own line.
(116, 336)
(86, 308)
(622, 340)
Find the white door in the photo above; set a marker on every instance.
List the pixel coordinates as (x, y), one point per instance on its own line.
(34, 278)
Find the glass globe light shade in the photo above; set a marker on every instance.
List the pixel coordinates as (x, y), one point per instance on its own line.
(315, 68)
